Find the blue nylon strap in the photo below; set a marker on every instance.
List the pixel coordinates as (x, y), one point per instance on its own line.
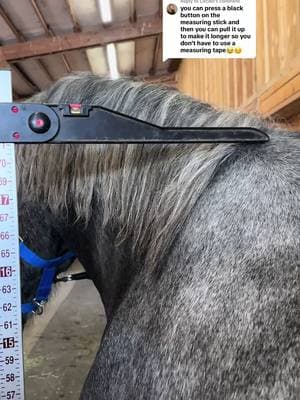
(48, 275)
(46, 281)
(27, 308)
(36, 261)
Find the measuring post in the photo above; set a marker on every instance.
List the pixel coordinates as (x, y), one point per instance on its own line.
(11, 350)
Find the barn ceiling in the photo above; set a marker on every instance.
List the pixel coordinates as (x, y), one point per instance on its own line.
(42, 40)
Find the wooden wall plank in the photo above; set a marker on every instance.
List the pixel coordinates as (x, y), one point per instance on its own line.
(269, 84)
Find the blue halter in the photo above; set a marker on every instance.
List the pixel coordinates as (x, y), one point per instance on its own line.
(48, 275)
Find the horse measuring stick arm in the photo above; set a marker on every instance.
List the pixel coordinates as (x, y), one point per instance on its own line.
(80, 123)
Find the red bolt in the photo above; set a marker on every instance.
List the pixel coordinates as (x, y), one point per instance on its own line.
(15, 109)
(16, 135)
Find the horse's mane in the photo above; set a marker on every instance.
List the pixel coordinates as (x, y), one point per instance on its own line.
(146, 191)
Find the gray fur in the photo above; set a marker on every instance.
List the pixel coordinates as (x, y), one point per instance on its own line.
(194, 249)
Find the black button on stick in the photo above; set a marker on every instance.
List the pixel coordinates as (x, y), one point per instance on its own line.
(39, 122)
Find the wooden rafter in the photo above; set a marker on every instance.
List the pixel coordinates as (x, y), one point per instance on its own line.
(11, 25)
(133, 20)
(48, 31)
(21, 38)
(160, 10)
(66, 62)
(76, 24)
(53, 45)
(155, 55)
(77, 28)
(22, 74)
(45, 69)
(41, 18)
(133, 14)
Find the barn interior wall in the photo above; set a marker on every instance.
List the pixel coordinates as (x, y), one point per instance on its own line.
(269, 84)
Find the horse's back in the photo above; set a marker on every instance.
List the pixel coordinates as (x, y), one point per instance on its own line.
(220, 318)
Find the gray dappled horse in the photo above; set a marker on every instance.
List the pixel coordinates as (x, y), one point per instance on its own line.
(193, 248)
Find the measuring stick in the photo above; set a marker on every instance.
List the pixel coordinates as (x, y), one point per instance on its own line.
(11, 353)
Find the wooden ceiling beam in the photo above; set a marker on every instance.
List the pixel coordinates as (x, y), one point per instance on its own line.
(76, 28)
(48, 31)
(66, 63)
(155, 55)
(133, 20)
(160, 10)
(22, 74)
(21, 38)
(45, 70)
(76, 24)
(133, 13)
(144, 27)
(41, 18)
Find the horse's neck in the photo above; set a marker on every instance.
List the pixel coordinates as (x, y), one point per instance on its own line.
(141, 205)
(107, 264)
